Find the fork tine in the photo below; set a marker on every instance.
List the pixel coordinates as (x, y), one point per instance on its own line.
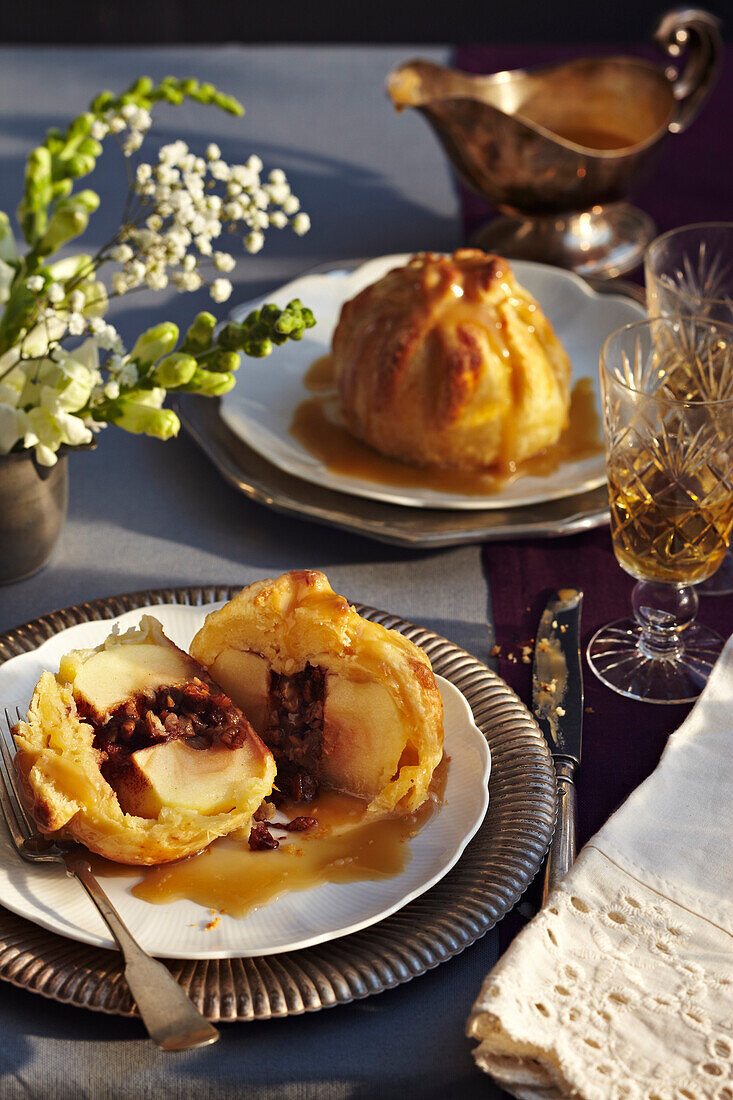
(7, 769)
(6, 804)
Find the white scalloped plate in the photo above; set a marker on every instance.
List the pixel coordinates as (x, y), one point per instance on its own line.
(177, 930)
(260, 407)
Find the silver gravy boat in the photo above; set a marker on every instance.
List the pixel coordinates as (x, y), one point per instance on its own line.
(557, 150)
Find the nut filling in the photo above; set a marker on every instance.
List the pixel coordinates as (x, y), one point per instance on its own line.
(294, 732)
(197, 711)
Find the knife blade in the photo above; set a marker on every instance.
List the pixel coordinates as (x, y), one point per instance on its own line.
(557, 702)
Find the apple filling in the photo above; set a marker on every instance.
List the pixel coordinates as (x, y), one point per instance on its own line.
(294, 730)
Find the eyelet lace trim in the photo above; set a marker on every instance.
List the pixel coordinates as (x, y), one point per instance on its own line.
(612, 993)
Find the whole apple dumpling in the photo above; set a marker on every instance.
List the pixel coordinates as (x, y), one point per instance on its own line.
(447, 361)
(343, 703)
(134, 752)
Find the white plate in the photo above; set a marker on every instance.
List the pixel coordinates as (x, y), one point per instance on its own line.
(177, 930)
(260, 407)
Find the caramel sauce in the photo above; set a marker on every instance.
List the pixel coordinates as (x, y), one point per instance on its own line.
(317, 426)
(347, 845)
(593, 137)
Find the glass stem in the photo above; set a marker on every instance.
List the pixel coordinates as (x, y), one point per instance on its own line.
(664, 612)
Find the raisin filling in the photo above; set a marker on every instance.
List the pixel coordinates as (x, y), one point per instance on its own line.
(200, 712)
(294, 730)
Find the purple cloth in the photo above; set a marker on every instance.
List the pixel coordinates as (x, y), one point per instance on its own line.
(692, 179)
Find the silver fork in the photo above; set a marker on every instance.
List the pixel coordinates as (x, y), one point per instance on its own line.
(171, 1020)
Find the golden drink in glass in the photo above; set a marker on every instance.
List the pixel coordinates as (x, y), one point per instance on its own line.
(668, 421)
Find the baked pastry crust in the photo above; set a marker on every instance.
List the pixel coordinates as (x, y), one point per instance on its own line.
(61, 774)
(449, 362)
(382, 711)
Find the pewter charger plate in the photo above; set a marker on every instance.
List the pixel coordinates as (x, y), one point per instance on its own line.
(492, 874)
(259, 480)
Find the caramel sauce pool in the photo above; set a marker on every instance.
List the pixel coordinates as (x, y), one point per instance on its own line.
(346, 846)
(317, 426)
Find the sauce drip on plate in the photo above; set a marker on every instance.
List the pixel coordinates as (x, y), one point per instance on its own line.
(317, 426)
(347, 845)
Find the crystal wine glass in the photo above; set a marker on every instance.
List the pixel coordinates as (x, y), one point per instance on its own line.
(667, 391)
(689, 272)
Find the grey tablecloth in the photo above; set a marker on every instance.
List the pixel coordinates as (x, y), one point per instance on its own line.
(145, 514)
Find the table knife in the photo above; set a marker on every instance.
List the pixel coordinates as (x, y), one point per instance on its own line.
(557, 702)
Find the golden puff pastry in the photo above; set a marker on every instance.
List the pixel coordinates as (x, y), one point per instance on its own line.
(342, 702)
(449, 362)
(134, 752)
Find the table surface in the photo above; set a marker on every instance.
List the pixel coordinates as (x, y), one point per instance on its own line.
(145, 514)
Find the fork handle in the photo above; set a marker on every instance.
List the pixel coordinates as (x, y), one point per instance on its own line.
(171, 1019)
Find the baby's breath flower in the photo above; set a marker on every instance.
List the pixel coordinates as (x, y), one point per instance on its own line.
(223, 261)
(278, 219)
(255, 164)
(112, 390)
(291, 205)
(220, 290)
(254, 241)
(99, 130)
(35, 283)
(77, 301)
(301, 224)
(121, 253)
(116, 124)
(55, 293)
(76, 324)
(127, 374)
(213, 152)
(143, 173)
(119, 282)
(132, 143)
(277, 176)
(188, 263)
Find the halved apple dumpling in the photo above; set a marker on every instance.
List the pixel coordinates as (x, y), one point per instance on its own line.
(342, 702)
(133, 751)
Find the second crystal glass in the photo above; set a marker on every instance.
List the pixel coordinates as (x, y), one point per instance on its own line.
(668, 416)
(689, 273)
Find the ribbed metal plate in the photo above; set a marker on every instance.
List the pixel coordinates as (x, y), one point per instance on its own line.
(493, 872)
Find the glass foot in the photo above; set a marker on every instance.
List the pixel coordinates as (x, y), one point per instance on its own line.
(721, 583)
(614, 655)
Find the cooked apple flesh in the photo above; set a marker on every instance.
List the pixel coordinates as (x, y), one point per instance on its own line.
(245, 677)
(362, 738)
(175, 775)
(114, 675)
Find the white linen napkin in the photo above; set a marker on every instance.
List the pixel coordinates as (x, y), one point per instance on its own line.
(622, 986)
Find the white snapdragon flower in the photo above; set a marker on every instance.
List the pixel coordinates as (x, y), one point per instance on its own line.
(12, 427)
(112, 390)
(223, 261)
(220, 290)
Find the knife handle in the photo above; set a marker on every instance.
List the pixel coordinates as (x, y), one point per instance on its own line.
(562, 849)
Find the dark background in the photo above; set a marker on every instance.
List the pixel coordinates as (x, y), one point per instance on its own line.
(438, 21)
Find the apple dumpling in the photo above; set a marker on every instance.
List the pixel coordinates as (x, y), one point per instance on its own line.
(133, 751)
(343, 703)
(448, 362)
